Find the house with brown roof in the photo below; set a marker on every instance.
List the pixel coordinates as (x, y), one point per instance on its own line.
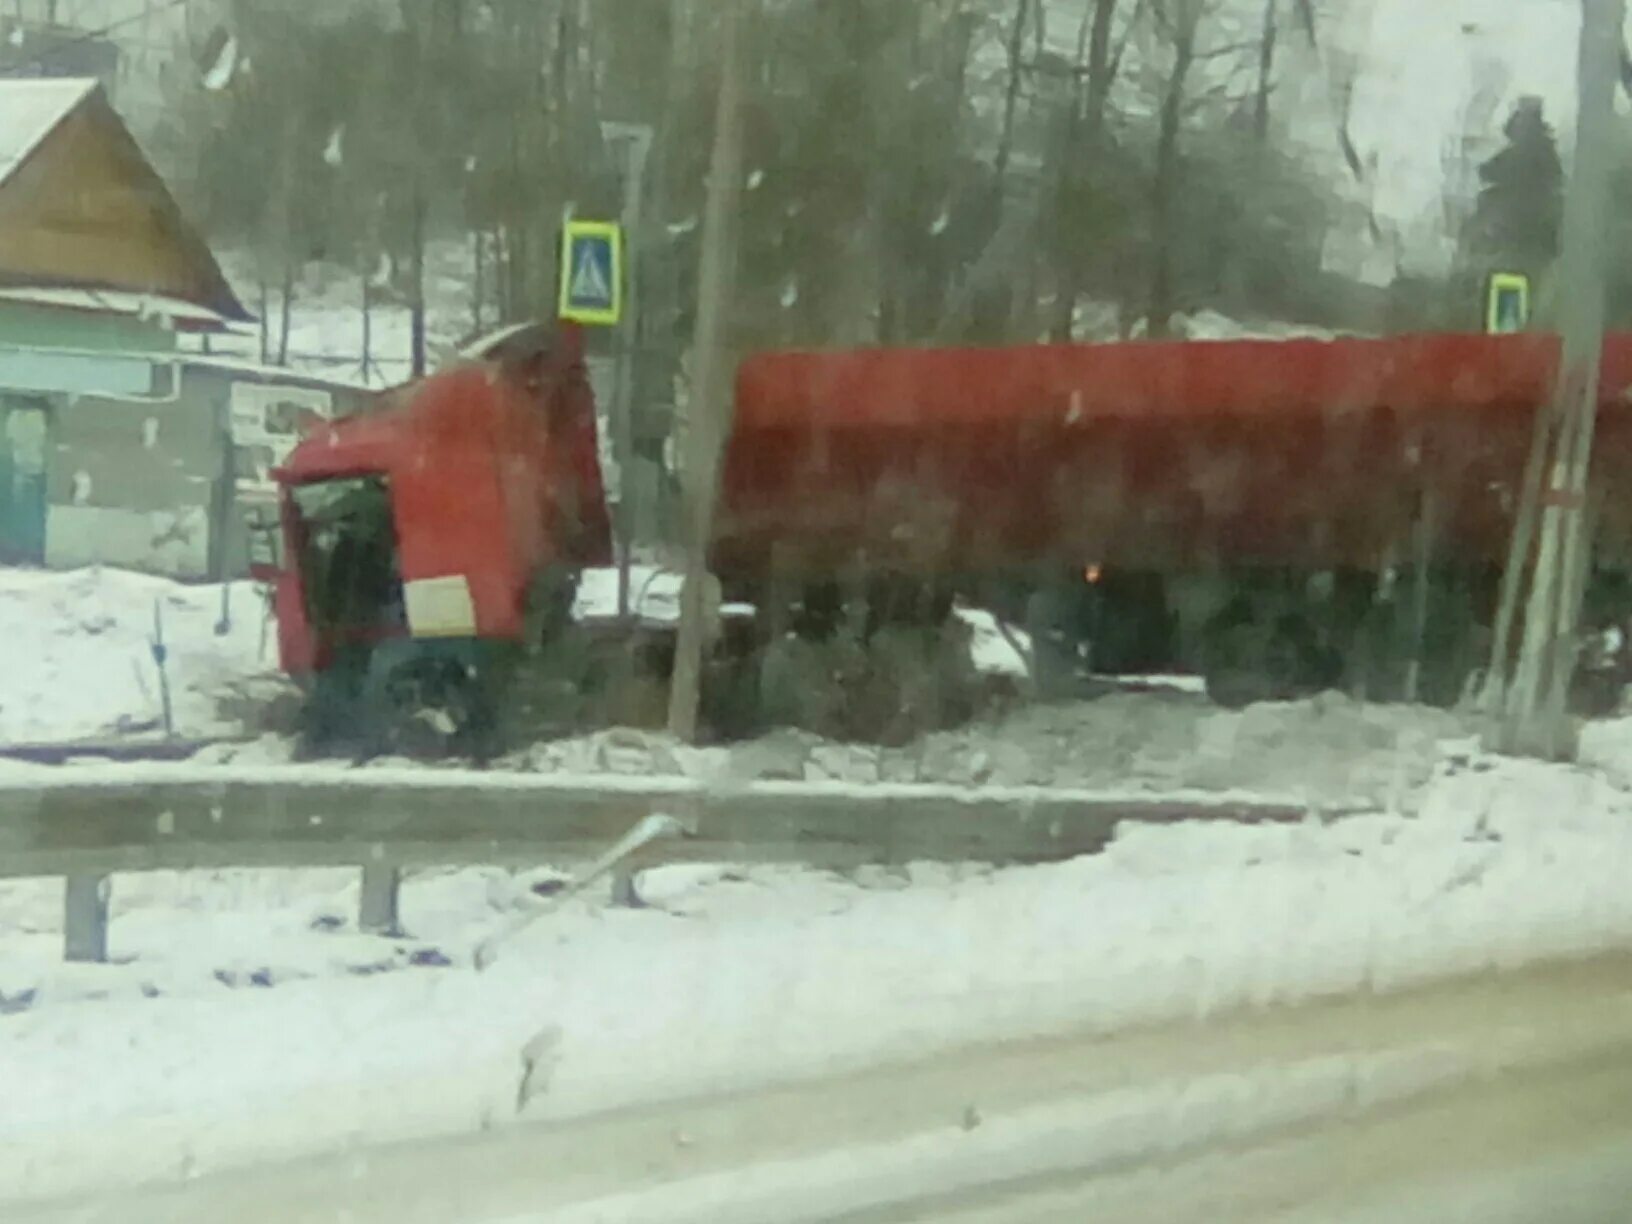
(116, 446)
(89, 231)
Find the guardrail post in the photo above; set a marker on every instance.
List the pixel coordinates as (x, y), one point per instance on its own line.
(85, 918)
(624, 893)
(377, 907)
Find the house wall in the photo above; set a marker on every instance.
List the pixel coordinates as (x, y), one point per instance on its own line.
(28, 325)
(151, 485)
(133, 483)
(36, 387)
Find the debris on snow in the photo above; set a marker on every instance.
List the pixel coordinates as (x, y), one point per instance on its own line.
(993, 650)
(654, 594)
(649, 829)
(539, 1057)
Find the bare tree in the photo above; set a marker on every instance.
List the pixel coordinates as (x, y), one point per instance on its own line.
(1011, 93)
(1191, 33)
(1084, 139)
(1305, 16)
(1266, 69)
(1178, 24)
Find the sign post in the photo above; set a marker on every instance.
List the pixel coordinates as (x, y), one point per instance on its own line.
(635, 142)
(592, 293)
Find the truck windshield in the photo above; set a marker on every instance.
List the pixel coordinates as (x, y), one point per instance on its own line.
(350, 577)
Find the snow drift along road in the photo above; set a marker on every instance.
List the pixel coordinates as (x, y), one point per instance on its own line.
(1409, 1107)
(739, 980)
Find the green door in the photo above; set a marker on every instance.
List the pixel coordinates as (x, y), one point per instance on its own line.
(24, 431)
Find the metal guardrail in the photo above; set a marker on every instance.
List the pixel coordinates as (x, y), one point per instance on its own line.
(86, 827)
(123, 748)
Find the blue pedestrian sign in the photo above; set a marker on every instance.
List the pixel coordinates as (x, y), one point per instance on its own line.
(591, 272)
(1507, 303)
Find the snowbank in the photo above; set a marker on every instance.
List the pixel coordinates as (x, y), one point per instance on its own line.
(299, 1035)
(1607, 745)
(1214, 325)
(992, 652)
(1328, 751)
(78, 662)
(79, 666)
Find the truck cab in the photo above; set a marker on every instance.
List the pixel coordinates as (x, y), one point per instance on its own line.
(431, 540)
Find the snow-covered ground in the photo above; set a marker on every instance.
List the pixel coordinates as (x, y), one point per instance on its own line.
(78, 661)
(1329, 751)
(79, 666)
(245, 1019)
(243, 1016)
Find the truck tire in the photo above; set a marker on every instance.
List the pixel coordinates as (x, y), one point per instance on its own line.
(1248, 660)
(430, 708)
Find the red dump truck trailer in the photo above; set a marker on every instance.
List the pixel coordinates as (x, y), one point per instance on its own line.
(1253, 511)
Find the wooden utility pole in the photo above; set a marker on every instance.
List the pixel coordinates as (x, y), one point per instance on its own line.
(708, 409)
(1535, 720)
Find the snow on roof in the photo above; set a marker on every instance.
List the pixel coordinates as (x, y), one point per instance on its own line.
(116, 301)
(30, 110)
(273, 373)
(482, 346)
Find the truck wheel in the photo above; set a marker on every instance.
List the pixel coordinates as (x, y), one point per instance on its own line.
(1246, 660)
(430, 709)
(331, 715)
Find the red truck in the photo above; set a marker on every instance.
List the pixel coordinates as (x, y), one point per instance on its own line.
(1255, 511)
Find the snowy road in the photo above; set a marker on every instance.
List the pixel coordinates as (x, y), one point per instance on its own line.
(1503, 1097)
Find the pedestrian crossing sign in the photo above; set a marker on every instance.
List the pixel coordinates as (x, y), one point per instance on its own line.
(591, 272)
(1507, 303)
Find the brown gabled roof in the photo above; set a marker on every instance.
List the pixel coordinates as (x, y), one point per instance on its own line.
(82, 207)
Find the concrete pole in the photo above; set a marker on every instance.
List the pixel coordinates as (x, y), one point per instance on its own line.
(708, 412)
(1537, 721)
(636, 140)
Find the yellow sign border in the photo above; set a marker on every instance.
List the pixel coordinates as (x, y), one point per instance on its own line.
(571, 232)
(1500, 283)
